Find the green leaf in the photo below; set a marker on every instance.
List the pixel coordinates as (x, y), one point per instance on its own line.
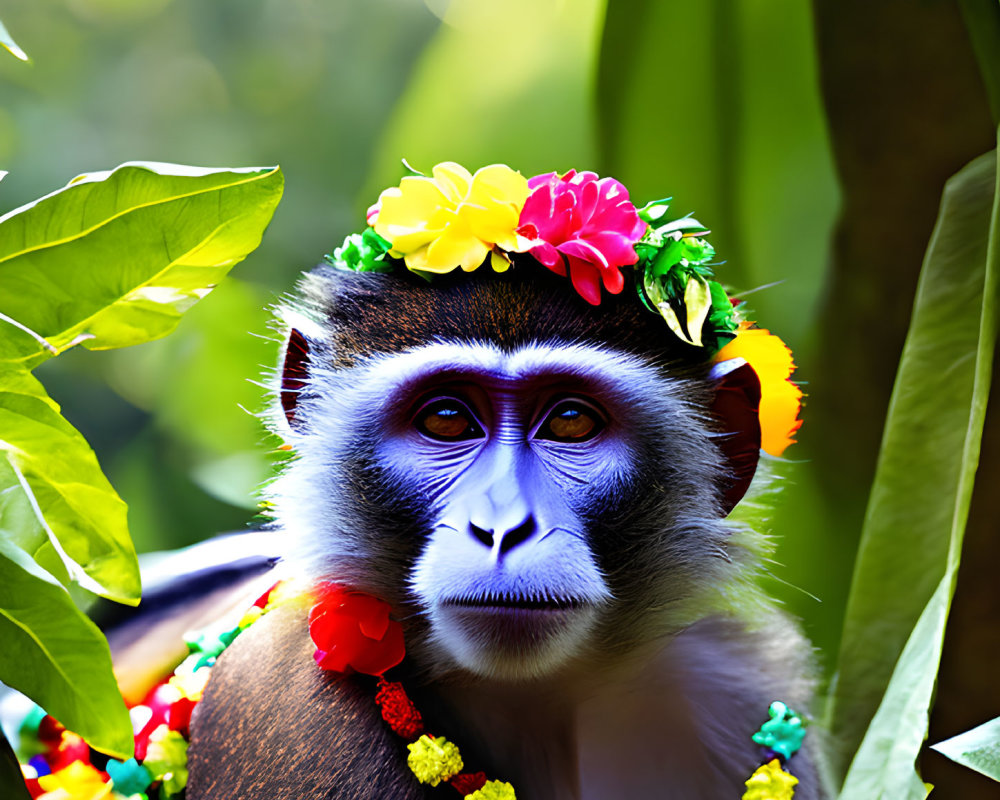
(978, 749)
(48, 469)
(670, 317)
(21, 526)
(912, 537)
(56, 656)
(697, 302)
(8, 43)
(687, 223)
(362, 252)
(654, 210)
(982, 21)
(883, 766)
(114, 258)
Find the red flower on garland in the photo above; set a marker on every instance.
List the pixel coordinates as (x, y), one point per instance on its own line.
(584, 224)
(69, 749)
(352, 630)
(398, 710)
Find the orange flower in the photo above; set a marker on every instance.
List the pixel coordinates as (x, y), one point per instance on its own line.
(780, 399)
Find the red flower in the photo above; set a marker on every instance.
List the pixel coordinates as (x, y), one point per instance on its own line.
(34, 790)
(352, 630)
(50, 731)
(398, 710)
(584, 224)
(179, 716)
(70, 748)
(468, 782)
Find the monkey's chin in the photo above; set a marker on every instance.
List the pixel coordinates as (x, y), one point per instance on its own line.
(512, 641)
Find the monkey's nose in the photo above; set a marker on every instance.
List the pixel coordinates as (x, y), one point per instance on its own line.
(503, 541)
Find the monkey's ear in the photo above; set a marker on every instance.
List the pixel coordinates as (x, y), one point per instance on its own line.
(735, 406)
(294, 372)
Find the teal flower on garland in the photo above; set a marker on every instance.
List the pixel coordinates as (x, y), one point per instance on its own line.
(129, 777)
(783, 732)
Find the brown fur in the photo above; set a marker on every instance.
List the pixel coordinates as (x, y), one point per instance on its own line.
(375, 313)
(274, 726)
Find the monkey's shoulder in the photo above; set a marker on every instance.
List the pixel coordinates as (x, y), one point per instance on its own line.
(273, 726)
(732, 673)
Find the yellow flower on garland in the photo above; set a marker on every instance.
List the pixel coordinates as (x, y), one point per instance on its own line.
(779, 397)
(189, 682)
(770, 782)
(454, 219)
(78, 781)
(166, 759)
(434, 760)
(493, 790)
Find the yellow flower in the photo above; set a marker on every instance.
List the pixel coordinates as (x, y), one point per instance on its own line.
(78, 781)
(434, 760)
(166, 759)
(780, 399)
(190, 683)
(493, 790)
(770, 782)
(454, 219)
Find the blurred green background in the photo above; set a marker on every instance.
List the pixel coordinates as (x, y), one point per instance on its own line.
(814, 140)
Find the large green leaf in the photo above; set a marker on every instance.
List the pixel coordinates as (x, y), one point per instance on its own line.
(883, 766)
(911, 542)
(111, 260)
(22, 526)
(978, 749)
(48, 464)
(56, 656)
(114, 258)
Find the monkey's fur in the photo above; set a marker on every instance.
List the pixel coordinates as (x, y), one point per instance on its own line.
(654, 695)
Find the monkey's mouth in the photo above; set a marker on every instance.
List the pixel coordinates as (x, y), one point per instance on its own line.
(500, 603)
(513, 635)
(512, 623)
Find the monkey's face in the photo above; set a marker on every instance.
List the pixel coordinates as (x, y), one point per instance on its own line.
(510, 452)
(532, 504)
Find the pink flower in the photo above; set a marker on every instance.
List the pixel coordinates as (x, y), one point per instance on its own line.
(584, 224)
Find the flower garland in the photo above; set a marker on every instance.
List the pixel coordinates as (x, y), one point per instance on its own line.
(353, 632)
(780, 737)
(63, 767)
(587, 229)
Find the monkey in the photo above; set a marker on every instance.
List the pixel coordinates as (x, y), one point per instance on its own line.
(538, 488)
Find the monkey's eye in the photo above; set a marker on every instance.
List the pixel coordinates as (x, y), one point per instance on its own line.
(447, 420)
(571, 421)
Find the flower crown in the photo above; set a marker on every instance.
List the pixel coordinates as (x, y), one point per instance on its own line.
(584, 227)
